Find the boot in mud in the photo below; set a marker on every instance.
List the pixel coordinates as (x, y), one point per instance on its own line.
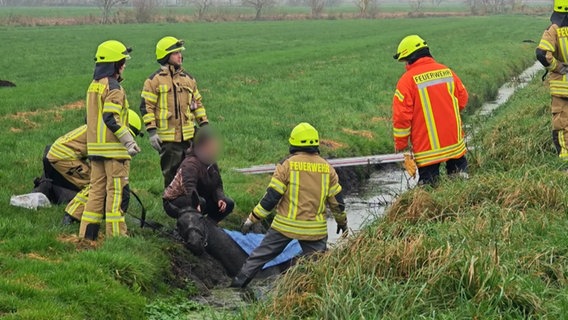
(240, 281)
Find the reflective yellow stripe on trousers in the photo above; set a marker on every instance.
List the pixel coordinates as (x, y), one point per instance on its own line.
(562, 143)
(117, 196)
(92, 217)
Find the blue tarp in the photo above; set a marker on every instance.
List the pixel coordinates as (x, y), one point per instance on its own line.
(250, 241)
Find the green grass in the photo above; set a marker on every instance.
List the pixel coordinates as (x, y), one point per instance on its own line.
(493, 247)
(258, 80)
(76, 12)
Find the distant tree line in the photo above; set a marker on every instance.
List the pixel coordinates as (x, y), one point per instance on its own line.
(145, 10)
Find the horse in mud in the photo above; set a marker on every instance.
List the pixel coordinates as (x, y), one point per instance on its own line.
(202, 234)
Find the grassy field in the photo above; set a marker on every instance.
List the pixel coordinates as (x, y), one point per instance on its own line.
(493, 247)
(71, 12)
(258, 80)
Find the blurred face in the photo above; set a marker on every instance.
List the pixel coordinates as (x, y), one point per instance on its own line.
(176, 58)
(209, 151)
(121, 70)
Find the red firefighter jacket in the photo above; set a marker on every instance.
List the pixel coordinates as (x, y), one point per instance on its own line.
(426, 111)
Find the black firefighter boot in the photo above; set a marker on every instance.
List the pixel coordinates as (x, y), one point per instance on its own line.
(92, 231)
(240, 281)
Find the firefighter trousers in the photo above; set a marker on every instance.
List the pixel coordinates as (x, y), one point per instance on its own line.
(171, 156)
(429, 175)
(77, 172)
(559, 108)
(108, 196)
(271, 246)
(76, 206)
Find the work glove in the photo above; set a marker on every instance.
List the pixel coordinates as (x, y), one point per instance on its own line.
(410, 165)
(246, 226)
(342, 229)
(155, 140)
(128, 142)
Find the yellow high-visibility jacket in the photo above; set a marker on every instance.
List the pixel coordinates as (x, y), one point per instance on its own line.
(555, 43)
(69, 147)
(301, 187)
(106, 96)
(171, 104)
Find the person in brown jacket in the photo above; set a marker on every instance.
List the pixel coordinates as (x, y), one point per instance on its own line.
(171, 106)
(199, 174)
(301, 187)
(552, 53)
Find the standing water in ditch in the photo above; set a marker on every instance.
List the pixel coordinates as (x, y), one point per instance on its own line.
(384, 185)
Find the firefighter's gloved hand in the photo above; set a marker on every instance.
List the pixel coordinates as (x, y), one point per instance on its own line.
(563, 69)
(342, 229)
(131, 146)
(246, 226)
(410, 165)
(155, 140)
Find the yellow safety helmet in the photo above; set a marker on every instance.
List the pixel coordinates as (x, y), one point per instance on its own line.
(168, 45)
(304, 135)
(561, 6)
(112, 51)
(134, 122)
(408, 46)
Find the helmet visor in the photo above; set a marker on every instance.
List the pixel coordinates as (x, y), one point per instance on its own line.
(127, 52)
(178, 46)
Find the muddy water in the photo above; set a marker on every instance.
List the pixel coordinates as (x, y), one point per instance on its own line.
(508, 89)
(372, 200)
(384, 185)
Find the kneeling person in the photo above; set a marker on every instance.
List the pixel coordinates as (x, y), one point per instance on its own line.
(300, 188)
(65, 167)
(199, 173)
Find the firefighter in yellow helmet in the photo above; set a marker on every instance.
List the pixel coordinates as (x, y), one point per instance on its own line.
(171, 107)
(301, 187)
(426, 112)
(552, 52)
(75, 142)
(110, 144)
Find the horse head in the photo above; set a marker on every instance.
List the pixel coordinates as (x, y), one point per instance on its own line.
(193, 230)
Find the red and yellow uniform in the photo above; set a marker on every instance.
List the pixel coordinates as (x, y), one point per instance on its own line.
(426, 111)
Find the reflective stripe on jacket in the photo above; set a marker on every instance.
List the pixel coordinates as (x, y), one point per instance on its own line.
(555, 42)
(306, 183)
(171, 103)
(106, 96)
(71, 146)
(426, 110)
